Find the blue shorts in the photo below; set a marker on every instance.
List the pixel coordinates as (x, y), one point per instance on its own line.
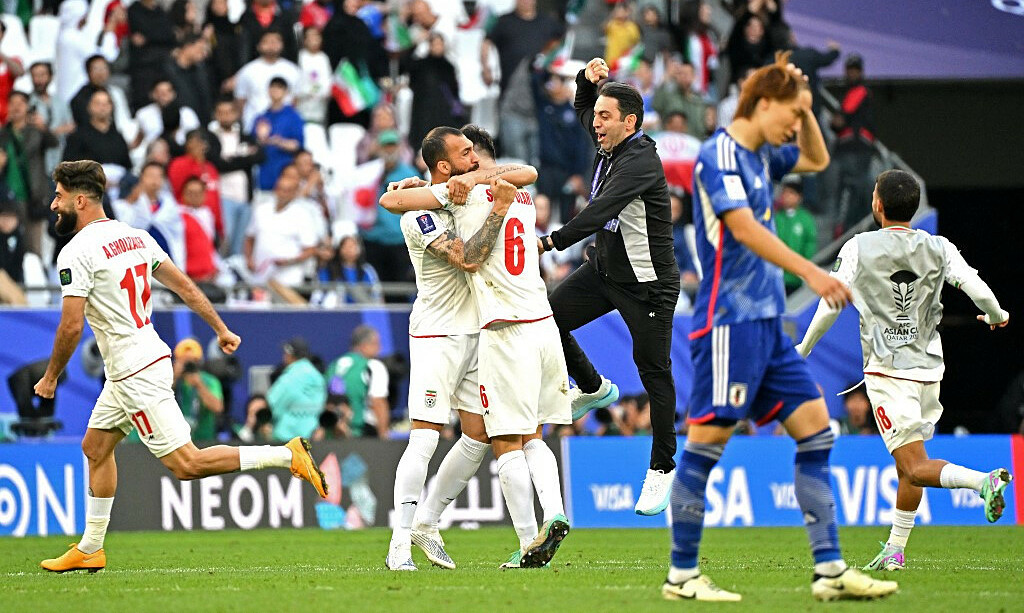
(748, 370)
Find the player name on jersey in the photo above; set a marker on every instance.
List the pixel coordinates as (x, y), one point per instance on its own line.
(123, 245)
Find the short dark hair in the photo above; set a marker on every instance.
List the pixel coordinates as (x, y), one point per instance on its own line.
(628, 97)
(193, 133)
(150, 164)
(16, 94)
(45, 64)
(481, 139)
(669, 115)
(900, 194)
(160, 80)
(279, 82)
(192, 179)
(94, 58)
(83, 176)
(434, 148)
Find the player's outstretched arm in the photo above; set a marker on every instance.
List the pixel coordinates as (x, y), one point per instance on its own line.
(400, 200)
(69, 332)
(755, 237)
(176, 281)
(823, 319)
(960, 274)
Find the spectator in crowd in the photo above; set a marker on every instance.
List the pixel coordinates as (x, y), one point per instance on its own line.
(316, 14)
(348, 265)
(195, 163)
(748, 47)
(151, 117)
(678, 150)
(384, 241)
(810, 61)
(23, 143)
(98, 139)
(259, 421)
(279, 130)
(10, 69)
(565, 151)
(676, 94)
(427, 22)
(76, 43)
(56, 113)
(150, 206)
(116, 16)
(727, 107)
(795, 226)
(12, 250)
(201, 261)
(315, 85)
(702, 46)
(98, 70)
(383, 119)
(311, 184)
(186, 70)
(363, 379)
(621, 32)
(152, 40)
(199, 394)
(642, 79)
(859, 418)
(227, 49)
(252, 83)
(655, 36)
(435, 91)
(264, 16)
(346, 36)
(1011, 406)
(237, 154)
(185, 19)
(297, 397)
(854, 126)
(281, 241)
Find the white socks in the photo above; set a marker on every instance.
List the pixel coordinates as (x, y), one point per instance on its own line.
(544, 472)
(457, 468)
(953, 476)
(409, 479)
(264, 456)
(516, 486)
(902, 524)
(681, 575)
(97, 516)
(830, 569)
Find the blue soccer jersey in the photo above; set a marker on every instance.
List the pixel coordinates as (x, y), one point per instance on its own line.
(738, 285)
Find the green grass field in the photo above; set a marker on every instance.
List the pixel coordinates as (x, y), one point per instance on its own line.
(951, 569)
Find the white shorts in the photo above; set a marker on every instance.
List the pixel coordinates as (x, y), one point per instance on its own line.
(144, 401)
(523, 379)
(905, 411)
(443, 377)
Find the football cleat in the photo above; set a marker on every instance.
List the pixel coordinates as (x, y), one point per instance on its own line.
(514, 560)
(992, 492)
(890, 558)
(399, 558)
(851, 584)
(430, 541)
(75, 559)
(700, 587)
(656, 492)
(544, 547)
(304, 467)
(583, 403)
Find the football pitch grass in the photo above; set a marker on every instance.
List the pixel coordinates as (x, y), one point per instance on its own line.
(268, 571)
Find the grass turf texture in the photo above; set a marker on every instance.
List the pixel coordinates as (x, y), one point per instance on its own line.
(950, 569)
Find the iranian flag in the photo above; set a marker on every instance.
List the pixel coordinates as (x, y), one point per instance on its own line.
(354, 92)
(554, 60)
(398, 37)
(627, 62)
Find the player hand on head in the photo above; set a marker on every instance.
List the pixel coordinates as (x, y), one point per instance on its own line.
(832, 290)
(596, 70)
(228, 341)
(993, 325)
(459, 187)
(504, 194)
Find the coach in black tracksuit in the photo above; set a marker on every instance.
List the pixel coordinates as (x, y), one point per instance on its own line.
(633, 268)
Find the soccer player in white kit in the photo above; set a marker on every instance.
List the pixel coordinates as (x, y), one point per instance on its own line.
(443, 330)
(106, 274)
(896, 276)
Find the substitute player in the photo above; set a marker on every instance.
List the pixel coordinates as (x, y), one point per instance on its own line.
(896, 276)
(443, 330)
(106, 273)
(745, 367)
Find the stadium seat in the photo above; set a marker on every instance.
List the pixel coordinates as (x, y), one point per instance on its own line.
(344, 138)
(316, 143)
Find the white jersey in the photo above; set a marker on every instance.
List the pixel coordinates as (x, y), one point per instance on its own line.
(111, 264)
(508, 286)
(443, 303)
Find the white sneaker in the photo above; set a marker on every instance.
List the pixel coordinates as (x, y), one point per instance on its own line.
(400, 558)
(851, 584)
(429, 540)
(656, 492)
(700, 587)
(583, 403)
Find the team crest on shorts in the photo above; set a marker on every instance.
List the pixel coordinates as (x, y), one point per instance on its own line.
(737, 394)
(430, 399)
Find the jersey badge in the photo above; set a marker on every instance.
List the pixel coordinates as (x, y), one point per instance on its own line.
(426, 223)
(737, 394)
(65, 276)
(734, 187)
(430, 399)
(612, 225)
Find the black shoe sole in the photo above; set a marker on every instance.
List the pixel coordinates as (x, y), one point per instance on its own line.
(543, 553)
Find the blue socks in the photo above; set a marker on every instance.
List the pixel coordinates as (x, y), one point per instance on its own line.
(688, 501)
(814, 494)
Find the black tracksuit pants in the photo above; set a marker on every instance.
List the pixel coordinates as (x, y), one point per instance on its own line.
(647, 309)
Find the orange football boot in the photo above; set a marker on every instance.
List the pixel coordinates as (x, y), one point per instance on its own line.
(74, 559)
(304, 467)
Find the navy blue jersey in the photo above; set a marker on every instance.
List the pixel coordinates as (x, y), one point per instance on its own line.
(738, 285)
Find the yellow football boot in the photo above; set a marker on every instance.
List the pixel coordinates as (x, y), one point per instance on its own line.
(74, 559)
(304, 467)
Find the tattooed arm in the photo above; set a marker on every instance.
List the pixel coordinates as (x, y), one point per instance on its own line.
(518, 175)
(399, 201)
(469, 256)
